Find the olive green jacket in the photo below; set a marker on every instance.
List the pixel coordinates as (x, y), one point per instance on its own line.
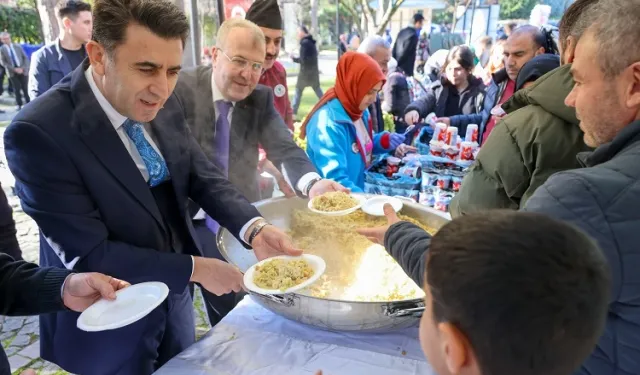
(538, 137)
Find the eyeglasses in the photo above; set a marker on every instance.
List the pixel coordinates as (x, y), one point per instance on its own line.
(241, 63)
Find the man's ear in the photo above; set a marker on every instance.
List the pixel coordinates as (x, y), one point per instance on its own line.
(569, 52)
(458, 352)
(97, 56)
(633, 93)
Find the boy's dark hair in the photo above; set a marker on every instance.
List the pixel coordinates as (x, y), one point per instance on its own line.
(72, 8)
(304, 29)
(418, 17)
(111, 18)
(529, 292)
(462, 55)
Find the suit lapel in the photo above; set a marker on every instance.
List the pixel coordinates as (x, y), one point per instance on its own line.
(204, 113)
(97, 132)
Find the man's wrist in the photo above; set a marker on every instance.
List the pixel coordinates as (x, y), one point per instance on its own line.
(252, 228)
(310, 185)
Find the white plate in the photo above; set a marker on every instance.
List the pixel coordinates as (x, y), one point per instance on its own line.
(360, 198)
(375, 206)
(315, 262)
(131, 304)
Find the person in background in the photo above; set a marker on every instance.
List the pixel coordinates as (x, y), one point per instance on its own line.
(457, 92)
(396, 96)
(340, 138)
(379, 50)
(507, 30)
(55, 60)
(496, 61)
(505, 292)
(422, 53)
(16, 62)
(309, 75)
(482, 50)
(525, 43)
(387, 36)
(26, 289)
(230, 115)
(406, 45)
(266, 14)
(342, 45)
(206, 56)
(8, 241)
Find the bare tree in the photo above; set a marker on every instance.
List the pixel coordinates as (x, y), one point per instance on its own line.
(377, 19)
(314, 17)
(49, 19)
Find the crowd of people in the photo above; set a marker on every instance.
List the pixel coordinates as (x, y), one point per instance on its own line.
(119, 134)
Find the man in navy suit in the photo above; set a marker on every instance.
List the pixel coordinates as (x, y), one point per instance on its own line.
(105, 164)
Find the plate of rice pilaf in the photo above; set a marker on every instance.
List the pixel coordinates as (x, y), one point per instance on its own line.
(336, 203)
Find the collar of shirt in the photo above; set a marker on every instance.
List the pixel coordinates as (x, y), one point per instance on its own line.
(117, 120)
(217, 95)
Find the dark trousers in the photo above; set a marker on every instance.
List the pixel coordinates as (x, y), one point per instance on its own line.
(20, 85)
(3, 73)
(217, 306)
(300, 89)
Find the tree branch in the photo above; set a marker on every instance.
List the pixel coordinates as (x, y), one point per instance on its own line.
(391, 10)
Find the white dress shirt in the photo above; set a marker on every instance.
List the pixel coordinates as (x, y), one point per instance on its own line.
(217, 95)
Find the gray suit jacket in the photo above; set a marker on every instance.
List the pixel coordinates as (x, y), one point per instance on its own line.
(5, 59)
(254, 122)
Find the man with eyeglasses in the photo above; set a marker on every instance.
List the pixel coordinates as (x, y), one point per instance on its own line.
(230, 115)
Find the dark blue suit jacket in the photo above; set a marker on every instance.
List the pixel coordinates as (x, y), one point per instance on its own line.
(95, 211)
(48, 67)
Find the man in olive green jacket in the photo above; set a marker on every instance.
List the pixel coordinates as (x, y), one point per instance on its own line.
(539, 137)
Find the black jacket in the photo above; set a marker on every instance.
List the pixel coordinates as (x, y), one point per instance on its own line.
(471, 100)
(26, 289)
(308, 60)
(405, 49)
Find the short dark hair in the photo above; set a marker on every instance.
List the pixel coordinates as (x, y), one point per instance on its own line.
(112, 17)
(72, 8)
(418, 17)
(462, 55)
(530, 293)
(541, 37)
(304, 29)
(572, 16)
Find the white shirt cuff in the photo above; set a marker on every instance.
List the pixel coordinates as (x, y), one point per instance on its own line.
(246, 227)
(304, 181)
(63, 284)
(200, 215)
(193, 266)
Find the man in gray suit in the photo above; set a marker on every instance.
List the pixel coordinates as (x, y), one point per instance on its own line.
(16, 62)
(230, 115)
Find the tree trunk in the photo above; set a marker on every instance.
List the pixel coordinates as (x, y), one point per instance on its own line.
(393, 7)
(48, 19)
(314, 17)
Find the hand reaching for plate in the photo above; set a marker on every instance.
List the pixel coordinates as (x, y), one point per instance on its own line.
(376, 235)
(216, 276)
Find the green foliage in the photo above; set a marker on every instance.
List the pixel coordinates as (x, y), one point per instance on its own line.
(516, 9)
(22, 23)
(442, 16)
(389, 125)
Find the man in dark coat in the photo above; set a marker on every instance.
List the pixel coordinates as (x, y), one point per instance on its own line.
(406, 46)
(309, 73)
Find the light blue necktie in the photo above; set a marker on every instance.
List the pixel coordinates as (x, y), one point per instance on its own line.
(14, 59)
(156, 166)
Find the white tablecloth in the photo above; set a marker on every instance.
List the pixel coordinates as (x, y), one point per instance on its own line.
(253, 341)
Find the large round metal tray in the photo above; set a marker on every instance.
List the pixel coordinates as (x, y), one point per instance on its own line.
(329, 314)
